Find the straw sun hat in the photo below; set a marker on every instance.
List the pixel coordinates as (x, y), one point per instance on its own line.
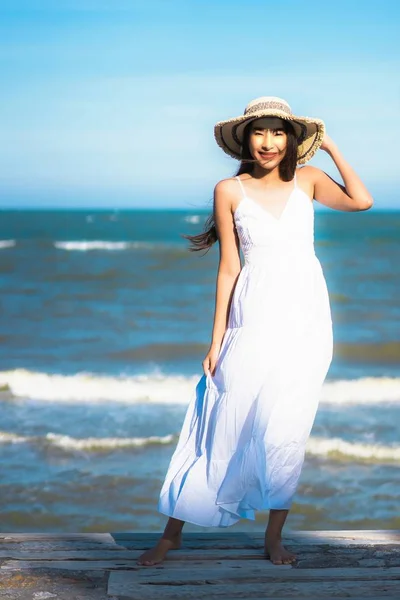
(310, 132)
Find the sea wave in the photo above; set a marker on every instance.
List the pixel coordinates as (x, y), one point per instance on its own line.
(88, 245)
(159, 388)
(83, 246)
(7, 243)
(365, 390)
(337, 448)
(89, 387)
(88, 444)
(331, 448)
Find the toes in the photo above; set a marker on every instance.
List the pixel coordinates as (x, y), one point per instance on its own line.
(290, 560)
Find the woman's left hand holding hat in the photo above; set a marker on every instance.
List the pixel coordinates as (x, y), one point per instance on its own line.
(327, 143)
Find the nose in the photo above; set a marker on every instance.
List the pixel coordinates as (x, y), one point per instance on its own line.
(267, 141)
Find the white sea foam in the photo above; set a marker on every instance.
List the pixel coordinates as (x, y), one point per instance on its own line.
(170, 389)
(87, 387)
(175, 389)
(84, 246)
(334, 448)
(11, 438)
(90, 245)
(7, 243)
(65, 441)
(366, 390)
(69, 443)
(192, 219)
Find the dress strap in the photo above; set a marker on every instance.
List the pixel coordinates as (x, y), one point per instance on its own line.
(241, 185)
(295, 180)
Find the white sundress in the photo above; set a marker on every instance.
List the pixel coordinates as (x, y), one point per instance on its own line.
(242, 443)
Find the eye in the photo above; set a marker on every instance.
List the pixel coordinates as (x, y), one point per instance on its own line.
(276, 132)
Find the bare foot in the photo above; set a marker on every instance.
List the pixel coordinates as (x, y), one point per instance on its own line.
(157, 554)
(277, 553)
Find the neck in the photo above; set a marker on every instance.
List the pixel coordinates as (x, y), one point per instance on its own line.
(268, 176)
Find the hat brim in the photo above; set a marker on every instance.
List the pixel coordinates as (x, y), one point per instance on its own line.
(309, 131)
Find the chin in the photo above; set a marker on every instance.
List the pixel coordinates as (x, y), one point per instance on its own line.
(270, 164)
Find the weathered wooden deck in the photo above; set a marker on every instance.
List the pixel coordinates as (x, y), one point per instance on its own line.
(223, 565)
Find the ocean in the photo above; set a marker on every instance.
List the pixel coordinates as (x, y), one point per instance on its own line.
(106, 318)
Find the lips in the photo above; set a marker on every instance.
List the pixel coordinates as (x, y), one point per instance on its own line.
(267, 155)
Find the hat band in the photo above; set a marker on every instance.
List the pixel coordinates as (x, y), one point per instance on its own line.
(266, 105)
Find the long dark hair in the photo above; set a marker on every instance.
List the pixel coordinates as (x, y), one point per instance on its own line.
(287, 168)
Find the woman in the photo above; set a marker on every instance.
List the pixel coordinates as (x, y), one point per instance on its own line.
(242, 444)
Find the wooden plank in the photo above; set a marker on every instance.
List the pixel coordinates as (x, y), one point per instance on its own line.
(236, 540)
(116, 563)
(131, 589)
(234, 544)
(209, 558)
(336, 543)
(21, 537)
(260, 570)
(212, 555)
(117, 554)
(200, 566)
(54, 546)
(175, 560)
(120, 553)
(69, 565)
(386, 536)
(192, 594)
(176, 557)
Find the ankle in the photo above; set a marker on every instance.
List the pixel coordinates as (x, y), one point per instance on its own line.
(273, 536)
(171, 537)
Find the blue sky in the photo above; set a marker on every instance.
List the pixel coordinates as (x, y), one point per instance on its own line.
(113, 103)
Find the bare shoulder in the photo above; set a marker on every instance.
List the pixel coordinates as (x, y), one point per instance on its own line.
(226, 186)
(307, 178)
(308, 174)
(226, 194)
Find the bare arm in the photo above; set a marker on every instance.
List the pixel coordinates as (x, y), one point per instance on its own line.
(228, 269)
(352, 196)
(229, 257)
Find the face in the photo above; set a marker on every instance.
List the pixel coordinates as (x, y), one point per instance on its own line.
(267, 141)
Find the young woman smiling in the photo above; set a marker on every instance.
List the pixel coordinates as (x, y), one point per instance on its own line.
(242, 444)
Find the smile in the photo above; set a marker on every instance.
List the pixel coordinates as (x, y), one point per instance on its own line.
(267, 155)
